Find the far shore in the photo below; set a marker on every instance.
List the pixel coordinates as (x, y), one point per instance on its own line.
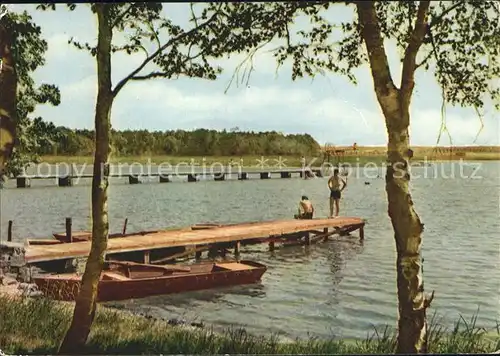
(361, 158)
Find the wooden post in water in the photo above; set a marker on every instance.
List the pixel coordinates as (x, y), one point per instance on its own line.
(243, 176)
(65, 181)
(308, 238)
(9, 231)
(146, 257)
(223, 251)
(133, 179)
(218, 177)
(125, 226)
(212, 251)
(164, 178)
(237, 248)
(197, 254)
(362, 233)
(23, 182)
(69, 238)
(271, 245)
(325, 231)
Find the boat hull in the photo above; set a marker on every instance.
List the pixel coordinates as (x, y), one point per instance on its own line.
(67, 287)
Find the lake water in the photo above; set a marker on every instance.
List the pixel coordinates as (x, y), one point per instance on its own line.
(339, 288)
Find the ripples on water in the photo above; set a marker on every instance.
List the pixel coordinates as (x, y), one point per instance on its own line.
(339, 288)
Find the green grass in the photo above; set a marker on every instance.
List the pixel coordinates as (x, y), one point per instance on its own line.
(37, 326)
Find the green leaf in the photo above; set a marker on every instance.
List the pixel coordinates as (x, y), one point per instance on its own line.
(29, 53)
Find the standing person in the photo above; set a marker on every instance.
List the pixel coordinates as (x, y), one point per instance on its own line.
(306, 209)
(334, 184)
(303, 167)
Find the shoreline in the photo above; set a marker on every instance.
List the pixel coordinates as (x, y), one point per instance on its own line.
(166, 166)
(36, 326)
(269, 161)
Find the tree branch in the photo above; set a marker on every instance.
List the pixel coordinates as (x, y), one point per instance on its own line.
(122, 15)
(248, 59)
(157, 74)
(429, 55)
(410, 28)
(144, 50)
(434, 48)
(416, 39)
(480, 116)
(288, 42)
(371, 34)
(149, 76)
(152, 29)
(436, 20)
(130, 48)
(124, 81)
(444, 126)
(192, 14)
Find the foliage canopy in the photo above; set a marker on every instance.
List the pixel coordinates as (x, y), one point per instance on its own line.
(29, 52)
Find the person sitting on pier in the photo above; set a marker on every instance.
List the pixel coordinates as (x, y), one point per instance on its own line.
(335, 191)
(306, 209)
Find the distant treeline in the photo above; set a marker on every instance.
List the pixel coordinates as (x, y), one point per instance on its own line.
(63, 141)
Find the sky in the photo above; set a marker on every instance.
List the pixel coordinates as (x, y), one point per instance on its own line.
(328, 107)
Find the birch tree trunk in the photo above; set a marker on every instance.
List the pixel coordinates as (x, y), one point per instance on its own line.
(395, 104)
(412, 324)
(85, 306)
(8, 96)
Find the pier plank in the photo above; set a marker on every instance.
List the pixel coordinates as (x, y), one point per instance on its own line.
(166, 239)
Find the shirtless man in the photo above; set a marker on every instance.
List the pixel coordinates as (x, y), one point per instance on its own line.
(306, 209)
(335, 191)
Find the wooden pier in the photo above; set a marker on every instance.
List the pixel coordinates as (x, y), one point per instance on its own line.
(166, 177)
(196, 240)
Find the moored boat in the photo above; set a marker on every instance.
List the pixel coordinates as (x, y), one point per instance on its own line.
(129, 280)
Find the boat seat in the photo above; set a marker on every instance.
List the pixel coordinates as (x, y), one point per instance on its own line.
(234, 266)
(115, 276)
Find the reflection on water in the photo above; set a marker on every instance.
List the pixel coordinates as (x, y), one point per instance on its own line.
(337, 288)
(186, 300)
(343, 250)
(294, 265)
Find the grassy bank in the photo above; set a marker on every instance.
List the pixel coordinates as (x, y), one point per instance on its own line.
(372, 157)
(30, 326)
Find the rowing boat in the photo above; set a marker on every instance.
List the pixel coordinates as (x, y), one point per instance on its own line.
(129, 280)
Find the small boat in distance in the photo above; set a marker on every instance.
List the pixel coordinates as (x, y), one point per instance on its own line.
(129, 280)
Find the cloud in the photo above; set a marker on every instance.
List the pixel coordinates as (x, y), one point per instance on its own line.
(463, 129)
(291, 110)
(329, 108)
(162, 105)
(59, 48)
